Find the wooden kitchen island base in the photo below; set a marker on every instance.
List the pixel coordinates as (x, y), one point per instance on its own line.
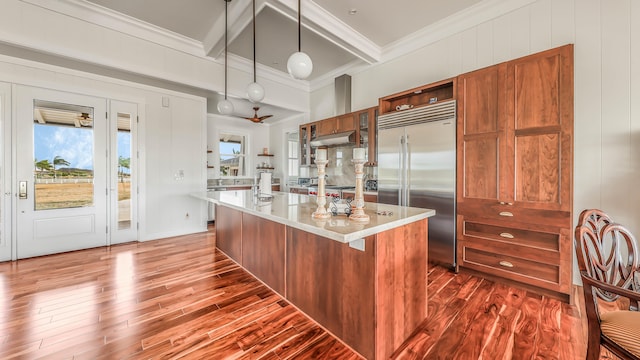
(371, 298)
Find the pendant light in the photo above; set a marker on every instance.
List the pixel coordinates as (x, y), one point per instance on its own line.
(225, 107)
(255, 91)
(299, 64)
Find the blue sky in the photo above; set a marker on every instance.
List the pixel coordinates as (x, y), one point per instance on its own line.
(72, 144)
(228, 148)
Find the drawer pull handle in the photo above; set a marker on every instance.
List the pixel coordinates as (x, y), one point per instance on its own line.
(507, 235)
(506, 264)
(506, 203)
(506, 213)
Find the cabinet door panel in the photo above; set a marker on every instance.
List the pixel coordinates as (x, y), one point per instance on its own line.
(326, 127)
(480, 162)
(263, 250)
(346, 123)
(478, 101)
(539, 152)
(536, 86)
(537, 170)
(229, 233)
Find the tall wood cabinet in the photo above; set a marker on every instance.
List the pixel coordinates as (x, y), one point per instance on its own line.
(515, 170)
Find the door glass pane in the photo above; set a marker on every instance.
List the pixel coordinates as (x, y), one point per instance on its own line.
(63, 149)
(124, 171)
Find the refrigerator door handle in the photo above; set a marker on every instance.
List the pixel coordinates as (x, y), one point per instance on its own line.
(401, 170)
(407, 167)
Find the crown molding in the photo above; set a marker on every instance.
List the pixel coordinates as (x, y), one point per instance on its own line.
(477, 14)
(107, 18)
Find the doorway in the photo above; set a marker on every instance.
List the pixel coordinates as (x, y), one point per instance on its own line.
(69, 156)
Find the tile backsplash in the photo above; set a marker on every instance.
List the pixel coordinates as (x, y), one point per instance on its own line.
(340, 170)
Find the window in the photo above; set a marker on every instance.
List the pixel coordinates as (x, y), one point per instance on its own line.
(293, 161)
(233, 151)
(63, 146)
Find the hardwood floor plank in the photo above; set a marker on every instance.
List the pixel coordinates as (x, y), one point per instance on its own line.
(548, 337)
(182, 298)
(527, 328)
(500, 344)
(451, 340)
(482, 325)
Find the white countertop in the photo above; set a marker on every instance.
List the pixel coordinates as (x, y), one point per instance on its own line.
(295, 210)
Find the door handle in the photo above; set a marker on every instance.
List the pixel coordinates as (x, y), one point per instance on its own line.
(22, 190)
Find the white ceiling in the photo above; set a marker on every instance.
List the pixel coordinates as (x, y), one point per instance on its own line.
(334, 39)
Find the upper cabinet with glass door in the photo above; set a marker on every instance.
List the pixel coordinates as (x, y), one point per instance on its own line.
(368, 134)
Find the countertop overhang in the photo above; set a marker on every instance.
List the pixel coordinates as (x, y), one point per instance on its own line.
(295, 210)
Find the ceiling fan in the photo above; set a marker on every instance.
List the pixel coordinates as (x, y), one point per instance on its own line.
(85, 119)
(256, 118)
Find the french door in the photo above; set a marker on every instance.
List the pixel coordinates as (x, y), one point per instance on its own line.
(123, 175)
(66, 195)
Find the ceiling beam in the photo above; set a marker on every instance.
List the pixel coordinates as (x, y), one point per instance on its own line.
(328, 26)
(240, 16)
(315, 19)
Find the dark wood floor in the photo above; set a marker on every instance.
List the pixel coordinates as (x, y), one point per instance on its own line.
(181, 298)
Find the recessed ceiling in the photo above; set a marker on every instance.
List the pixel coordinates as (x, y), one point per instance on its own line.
(334, 39)
(375, 21)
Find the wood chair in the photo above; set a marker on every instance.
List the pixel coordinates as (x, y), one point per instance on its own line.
(609, 261)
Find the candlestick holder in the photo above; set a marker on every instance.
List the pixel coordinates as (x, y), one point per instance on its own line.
(357, 214)
(321, 199)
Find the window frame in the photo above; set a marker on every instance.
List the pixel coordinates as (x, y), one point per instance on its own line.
(243, 156)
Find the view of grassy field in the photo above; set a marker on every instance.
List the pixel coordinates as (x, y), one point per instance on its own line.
(60, 196)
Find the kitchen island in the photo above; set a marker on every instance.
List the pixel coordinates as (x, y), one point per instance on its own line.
(364, 282)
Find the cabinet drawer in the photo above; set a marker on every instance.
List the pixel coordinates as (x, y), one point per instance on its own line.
(505, 213)
(515, 268)
(536, 239)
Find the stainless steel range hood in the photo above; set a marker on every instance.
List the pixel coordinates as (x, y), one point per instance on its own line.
(343, 138)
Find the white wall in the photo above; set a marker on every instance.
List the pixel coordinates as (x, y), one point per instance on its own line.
(170, 139)
(278, 142)
(607, 86)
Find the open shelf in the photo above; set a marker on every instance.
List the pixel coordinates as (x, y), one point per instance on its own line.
(420, 96)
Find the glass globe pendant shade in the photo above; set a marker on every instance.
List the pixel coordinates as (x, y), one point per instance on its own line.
(225, 107)
(299, 65)
(255, 92)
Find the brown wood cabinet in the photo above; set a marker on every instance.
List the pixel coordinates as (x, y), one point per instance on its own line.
(228, 235)
(515, 170)
(419, 96)
(363, 122)
(338, 124)
(368, 133)
(372, 298)
(307, 132)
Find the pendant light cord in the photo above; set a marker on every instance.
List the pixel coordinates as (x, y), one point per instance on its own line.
(254, 40)
(299, 26)
(226, 30)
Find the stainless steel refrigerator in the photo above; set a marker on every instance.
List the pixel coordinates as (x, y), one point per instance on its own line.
(417, 167)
